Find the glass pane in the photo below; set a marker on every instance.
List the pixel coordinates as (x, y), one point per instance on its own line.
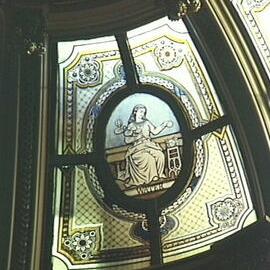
(144, 145)
(165, 55)
(86, 78)
(218, 206)
(255, 16)
(216, 203)
(88, 236)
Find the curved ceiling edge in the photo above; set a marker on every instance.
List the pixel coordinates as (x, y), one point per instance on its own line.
(257, 86)
(87, 21)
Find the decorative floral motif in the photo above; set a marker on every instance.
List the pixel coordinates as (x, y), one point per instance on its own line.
(168, 55)
(256, 3)
(226, 212)
(81, 245)
(86, 73)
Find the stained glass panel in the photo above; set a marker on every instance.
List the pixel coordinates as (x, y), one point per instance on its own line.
(143, 146)
(86, 69)
(85, 233)
(216, 207)
(165, 55)
(143, 133)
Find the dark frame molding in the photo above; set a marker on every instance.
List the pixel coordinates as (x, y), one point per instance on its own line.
(9, 107)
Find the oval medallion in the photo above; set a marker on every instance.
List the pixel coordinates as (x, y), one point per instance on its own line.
(143, 146)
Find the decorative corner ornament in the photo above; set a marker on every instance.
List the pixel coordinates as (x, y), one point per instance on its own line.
(30, 31)
(87, 72)
(176, 9)
(225, 213)
(34, 48)
(168, 55)
(81, 245)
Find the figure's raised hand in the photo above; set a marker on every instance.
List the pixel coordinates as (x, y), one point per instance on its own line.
(120, 128)
(118, 123)
(169, 124)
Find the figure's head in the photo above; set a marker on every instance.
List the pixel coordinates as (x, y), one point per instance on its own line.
(139, 112)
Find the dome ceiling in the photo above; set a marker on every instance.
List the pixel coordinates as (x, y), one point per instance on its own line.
(88, 17)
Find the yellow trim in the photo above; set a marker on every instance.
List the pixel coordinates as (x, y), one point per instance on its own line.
(40, 204)
(261, 8)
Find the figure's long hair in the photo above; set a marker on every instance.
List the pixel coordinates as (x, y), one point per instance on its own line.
(134, 111)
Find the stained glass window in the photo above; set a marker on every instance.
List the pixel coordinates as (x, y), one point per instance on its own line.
(148, 169)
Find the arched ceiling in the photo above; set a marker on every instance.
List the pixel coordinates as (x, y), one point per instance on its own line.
(107, 16)
(68, 19)
(65, 4)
